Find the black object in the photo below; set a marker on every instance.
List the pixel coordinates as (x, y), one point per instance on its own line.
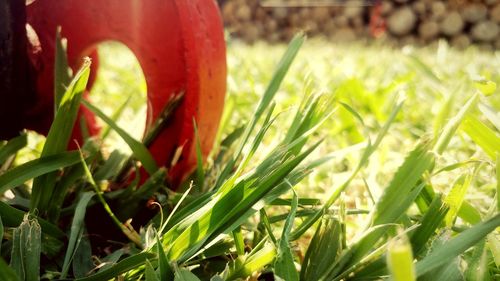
(16, 73)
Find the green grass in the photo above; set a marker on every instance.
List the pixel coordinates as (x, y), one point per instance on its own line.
(361, 163)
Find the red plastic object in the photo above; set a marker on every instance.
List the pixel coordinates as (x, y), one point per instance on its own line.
(179, 44)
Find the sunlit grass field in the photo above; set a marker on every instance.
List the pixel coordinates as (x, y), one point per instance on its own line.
(434, 83)
(403, 182)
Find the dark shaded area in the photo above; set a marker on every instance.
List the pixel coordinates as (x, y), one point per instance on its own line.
(17, 92)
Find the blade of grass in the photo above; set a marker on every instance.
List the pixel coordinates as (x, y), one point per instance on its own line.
(400, 260)
(324, 249)
(491, 114)
(6, 272)
(239, 241)
(432, 219)
(370, 148)
(451, 127)
(266, 222)
(125, 265)
(284, 267)
(140, 150)
(392, 204)
(424, 68)
(162, 121)
(37, 168)
(456, 196)
(482, 135)
(164, 270)
(150, 273)
(352, 256)
(58, 138)
(110, 260)
(62, 76)
(115, 117)
(262, 255)
(1, 233)
(26, 250)
(469, 213)
(77, 227)
(444, 114)
(82, 260)
(494, 246)
(12, 217)
(125, 228)
(278, 76)
(456, 245)
(219, 216)
(12, 147)
(268, 121)
(182, 274)
(477, 268)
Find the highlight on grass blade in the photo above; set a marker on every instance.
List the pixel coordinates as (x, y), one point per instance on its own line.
(62, 76)
(59, 136)
(400, 259)
(274, 84)
(37, 168)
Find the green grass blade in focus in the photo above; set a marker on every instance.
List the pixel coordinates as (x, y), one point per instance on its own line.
(76, 231)
(26, 250)
(164, 270)
(324, 249)
(222, 212)
(59, 137)
(278, 76)
(393, 202)
(62, 76)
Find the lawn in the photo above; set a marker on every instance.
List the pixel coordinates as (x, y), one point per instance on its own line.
(403, 182)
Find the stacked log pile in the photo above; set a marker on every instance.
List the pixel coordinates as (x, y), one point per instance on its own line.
(461, 22)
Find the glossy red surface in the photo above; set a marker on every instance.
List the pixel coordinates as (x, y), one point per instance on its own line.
(179, 44)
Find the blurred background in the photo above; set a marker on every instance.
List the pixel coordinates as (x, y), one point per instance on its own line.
(420, 22)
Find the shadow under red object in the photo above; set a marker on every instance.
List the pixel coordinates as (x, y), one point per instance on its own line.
(179, 44)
